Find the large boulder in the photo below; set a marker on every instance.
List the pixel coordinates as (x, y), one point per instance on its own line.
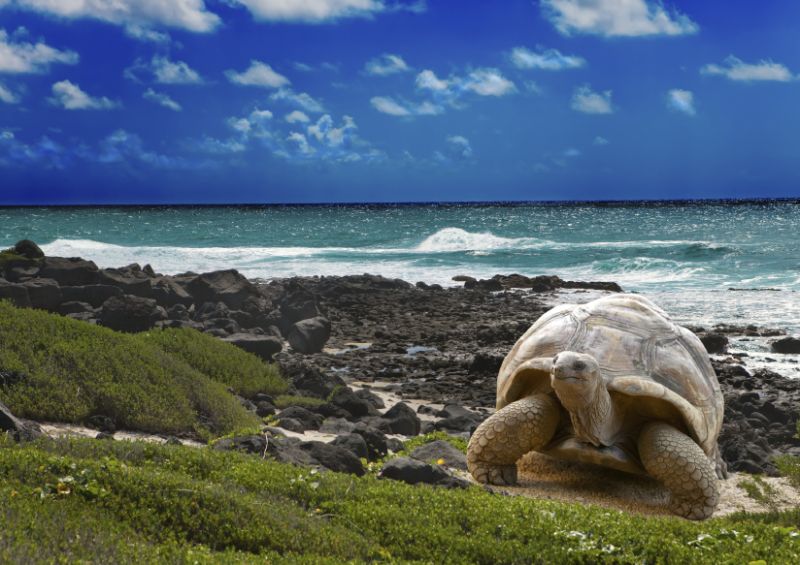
(70, 271)
(131, 280)
(441, 450)
(308, 419)
(412, 471)
(16, 293)
(377, 445)
(345, 398)
(168, 293)
(94, 294)
(401, 419)
(229, 287)
(353, 443)
(786, 345)
(715, 342)
(334, 457)
(264, 346)
(44, 294)
(298, 303)
(131, 313)
(310, 336)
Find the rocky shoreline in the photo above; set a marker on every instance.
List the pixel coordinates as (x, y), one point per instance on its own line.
(439, 345)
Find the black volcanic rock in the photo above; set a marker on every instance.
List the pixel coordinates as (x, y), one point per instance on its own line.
(131, 313)
(786, 345)
(70, 271)
(28, 249)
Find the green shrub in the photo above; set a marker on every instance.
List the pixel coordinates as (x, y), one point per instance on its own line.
(242, 371)
(72, 370)
(173, 503)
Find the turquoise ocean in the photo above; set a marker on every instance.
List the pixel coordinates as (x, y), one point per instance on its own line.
(686, 256)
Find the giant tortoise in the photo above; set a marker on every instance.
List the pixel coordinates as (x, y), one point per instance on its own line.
(615, 383)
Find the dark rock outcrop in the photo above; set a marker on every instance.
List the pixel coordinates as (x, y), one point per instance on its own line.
(265, 346)
(131, 313)
(786, 345)
(310, 336)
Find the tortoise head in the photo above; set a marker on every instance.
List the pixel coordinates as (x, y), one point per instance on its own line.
(576, 379)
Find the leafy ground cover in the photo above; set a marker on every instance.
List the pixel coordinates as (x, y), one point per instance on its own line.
(107, 501)
(174, 381)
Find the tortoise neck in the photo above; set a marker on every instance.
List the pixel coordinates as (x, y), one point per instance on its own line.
(595, 421)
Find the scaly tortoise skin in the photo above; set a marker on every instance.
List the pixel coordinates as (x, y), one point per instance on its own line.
(615, 383)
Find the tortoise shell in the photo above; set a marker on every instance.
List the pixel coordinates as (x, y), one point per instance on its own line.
(641, 353)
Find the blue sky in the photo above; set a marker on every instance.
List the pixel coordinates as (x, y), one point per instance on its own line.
(260, 101)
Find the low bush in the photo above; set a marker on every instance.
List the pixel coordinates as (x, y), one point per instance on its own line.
(66, 370)
(176, 503)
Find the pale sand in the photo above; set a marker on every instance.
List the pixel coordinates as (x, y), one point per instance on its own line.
(543, 477)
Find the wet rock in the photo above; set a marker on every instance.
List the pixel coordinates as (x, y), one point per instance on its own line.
(263, 346)
(715, 343)
(786, 345)
(131, 313)
(441, 450)
(310, 336)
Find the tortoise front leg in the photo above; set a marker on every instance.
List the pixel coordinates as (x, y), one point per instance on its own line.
(525, 425)
(677, 461)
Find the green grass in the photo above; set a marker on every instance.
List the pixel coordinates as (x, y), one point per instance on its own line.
(122, 501)
(174, 383)
(230, 365)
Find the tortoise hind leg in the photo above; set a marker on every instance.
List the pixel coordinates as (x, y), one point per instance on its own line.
(525, 425)
(677, 461)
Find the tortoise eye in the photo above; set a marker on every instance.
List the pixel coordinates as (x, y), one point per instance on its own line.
(555, 359)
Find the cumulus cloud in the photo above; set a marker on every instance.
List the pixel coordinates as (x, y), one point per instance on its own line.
(45, 152)
(388, 105)
(258, 74)
(445, 92)
(7, 95)
(301, 100)
(163, 71)
(488, 82)
(681, 101)
(20, 57)
(589, 102)
(600, 141)
(161, 99)
(547, 59)
(459, 147)
(735, 69)
(70, 97)
(386, 64)
(616, 18)
(297, 117)
(135, 15)
(322, 11)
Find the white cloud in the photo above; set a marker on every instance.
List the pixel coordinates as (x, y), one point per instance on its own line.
(302, 100)
(572, 153)
(296, 117)
(388, 105)
(681, 101)
(600, 141)
(189, 15)
(70, 96)
(322, 11)
(548, 60)
(7, 95)
(736, 69)
(610, 18)
(427, 80)
(258, 74)
(489, 82)
(161, 99)
(459, 147)
(173, 72)
(300, 143)
(146, 34)
(20, 57)
(589, 102)
(386, 64)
